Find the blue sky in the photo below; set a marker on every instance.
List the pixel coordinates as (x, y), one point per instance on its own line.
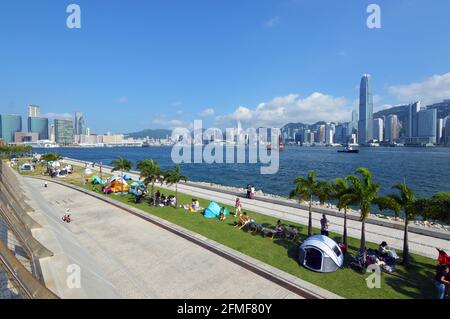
(146, 63)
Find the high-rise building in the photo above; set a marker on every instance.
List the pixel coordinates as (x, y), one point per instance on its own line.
(353, 125)
(447, 131)
(9, 125)
(341, 133)
(34, 111)
(38, 125)
(392, 129)
(320, 134)
(440, 131)
(365, 124)
(378, 130)
(428, 125)
(63, 131)
(412, 121)
(80, 124)
(329, 133)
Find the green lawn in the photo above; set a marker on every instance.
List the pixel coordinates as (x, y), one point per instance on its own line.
(414, 282)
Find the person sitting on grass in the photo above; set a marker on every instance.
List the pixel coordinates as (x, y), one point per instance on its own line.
(279, 229)
(163, 200)
(222, 215)
(195, 205)
(172, 201)
(244, 219)
(442, 281)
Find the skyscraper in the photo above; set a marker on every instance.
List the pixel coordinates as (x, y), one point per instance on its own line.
(378, 130)
(329, 133)
(80, 124)
(9, 125)
(34, 111)
(428, 125)
(447, 131)
(38, 125)
(365, 124)
(412, 124)
(63, 131)
(392, 128)
(440, 131)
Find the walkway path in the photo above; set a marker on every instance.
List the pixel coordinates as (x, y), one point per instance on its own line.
(124, 256)
(419, 244)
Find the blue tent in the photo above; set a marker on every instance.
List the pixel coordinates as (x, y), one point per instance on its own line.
(127, 177)
(213, 211)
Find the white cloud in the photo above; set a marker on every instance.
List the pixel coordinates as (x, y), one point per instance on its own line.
(65, 116)
(433, 89)
(168, 123)
(207, 112)
(272, 22)
(291, 108)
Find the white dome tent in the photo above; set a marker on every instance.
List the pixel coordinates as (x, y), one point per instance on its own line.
(321, 254)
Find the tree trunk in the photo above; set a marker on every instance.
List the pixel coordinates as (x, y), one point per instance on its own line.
(344, 237)
(176, 195)
(310, 217)
(362, 248)
(405, 243)
(153, 192)
(121, 175)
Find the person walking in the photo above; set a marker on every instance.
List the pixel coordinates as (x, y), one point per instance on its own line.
(238, 207)
(324, 225)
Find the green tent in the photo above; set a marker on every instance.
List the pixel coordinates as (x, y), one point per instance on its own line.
(96, 180)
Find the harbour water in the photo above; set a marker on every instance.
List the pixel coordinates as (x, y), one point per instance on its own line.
(426, 170)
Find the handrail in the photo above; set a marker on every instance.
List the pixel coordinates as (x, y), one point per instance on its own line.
(24, 281)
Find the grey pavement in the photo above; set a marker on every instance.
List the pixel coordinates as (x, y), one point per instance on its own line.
(123, 256)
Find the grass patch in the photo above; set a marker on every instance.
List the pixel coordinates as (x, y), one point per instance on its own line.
(416, 281)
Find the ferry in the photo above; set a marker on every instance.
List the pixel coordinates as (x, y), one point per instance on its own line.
(349, 149)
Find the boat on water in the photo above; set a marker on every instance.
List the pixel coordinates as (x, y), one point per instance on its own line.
(279, 147)
(349, 149)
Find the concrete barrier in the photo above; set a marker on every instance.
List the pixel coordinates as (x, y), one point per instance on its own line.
(14, 212)
(28, 286)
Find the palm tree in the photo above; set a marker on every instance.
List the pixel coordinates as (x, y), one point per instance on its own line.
(305, 189)
(174, 177)
(405, 201)
(363, 192)
(150, 172)
(340, 188)
(121, 164)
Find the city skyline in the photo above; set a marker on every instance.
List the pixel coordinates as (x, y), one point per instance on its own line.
(272, 64)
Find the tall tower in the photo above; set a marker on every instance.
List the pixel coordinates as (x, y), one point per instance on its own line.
(365, 124)
(34, 111)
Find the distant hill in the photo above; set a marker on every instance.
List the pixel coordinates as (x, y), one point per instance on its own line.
(151, 133)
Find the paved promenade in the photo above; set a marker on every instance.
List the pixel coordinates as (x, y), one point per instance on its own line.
(419, 244)
(124, 256)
